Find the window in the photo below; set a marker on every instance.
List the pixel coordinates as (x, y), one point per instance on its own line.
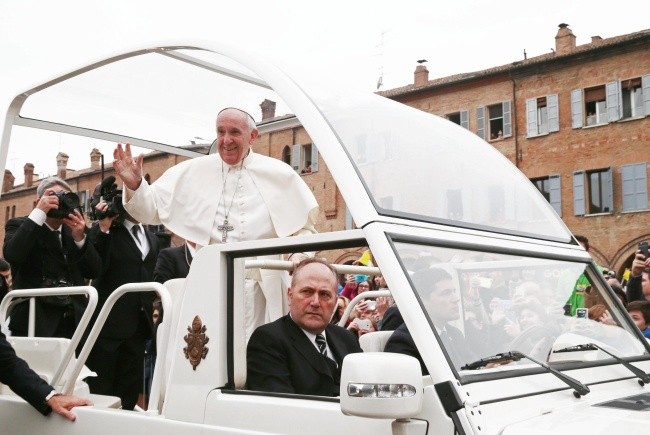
(286, 155)
(461, 118)
(542, 115)
(596, 105)
(7, 215)
(304, 158)
(84, 201)
(592, 192)
(550, 188)
(632, 97)
(635, 186)
(499, 121)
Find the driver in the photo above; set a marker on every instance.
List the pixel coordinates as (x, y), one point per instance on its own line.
(441, 300)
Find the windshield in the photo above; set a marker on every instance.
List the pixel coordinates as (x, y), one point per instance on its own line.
(494, 303)
(421, 166)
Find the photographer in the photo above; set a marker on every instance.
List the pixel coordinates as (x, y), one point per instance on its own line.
(49, 248)
(128, 253)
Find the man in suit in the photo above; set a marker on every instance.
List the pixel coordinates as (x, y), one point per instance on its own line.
(129, 255)
(49, 248)
(174, 262)
(15, 373)
(302, 353)
(440, 298)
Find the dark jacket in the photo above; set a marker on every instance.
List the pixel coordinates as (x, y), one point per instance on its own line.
(402, 342)
(172, 263)
(122, 263)
(22, 380)
(35, 253)
(281, 359)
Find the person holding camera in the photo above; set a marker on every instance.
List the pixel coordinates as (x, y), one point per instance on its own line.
(128, 253)
(638, 287)
(49, 248)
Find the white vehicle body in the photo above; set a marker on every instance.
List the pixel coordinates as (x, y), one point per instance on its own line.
(455, 202)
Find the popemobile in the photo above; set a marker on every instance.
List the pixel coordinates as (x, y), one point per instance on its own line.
(423, 193)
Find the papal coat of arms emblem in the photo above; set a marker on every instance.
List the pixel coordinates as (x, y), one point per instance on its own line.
(196, 340)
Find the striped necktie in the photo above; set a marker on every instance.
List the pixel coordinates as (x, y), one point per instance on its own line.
(322, 345)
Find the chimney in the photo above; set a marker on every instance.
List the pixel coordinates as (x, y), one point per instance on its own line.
(596, 39)
(565, 40)
(421, 74)
(95, 159)
(62, 165)
(268, 109)
(8, 182)
(29, 174)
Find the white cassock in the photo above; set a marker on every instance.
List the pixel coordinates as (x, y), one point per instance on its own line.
(263, 198)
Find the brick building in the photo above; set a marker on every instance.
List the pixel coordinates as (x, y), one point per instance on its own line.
(575, 121)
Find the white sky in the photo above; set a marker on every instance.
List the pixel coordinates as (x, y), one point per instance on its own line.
(341, 39)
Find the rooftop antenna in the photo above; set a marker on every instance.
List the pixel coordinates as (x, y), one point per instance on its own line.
(380, 80)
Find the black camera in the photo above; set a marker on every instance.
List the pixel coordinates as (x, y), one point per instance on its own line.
(68, 203)
(108, 192)
(643, 247)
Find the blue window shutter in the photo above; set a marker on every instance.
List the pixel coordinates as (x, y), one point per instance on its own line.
(555, 193)
(349, 223)
(635, 191)
(613, 98)
(464, 119)
(314, 158)
(629, 194)
(579, 193)
(295, 157)
(576, 108)
(480, 122)
(645, 84)
(531, 117)
(641, 177)
(553, 109)
(507, 119)
(608, 192)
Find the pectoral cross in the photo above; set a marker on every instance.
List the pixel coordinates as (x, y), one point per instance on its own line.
(224, 230)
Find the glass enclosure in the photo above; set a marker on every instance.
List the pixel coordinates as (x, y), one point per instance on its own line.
(494, 303)
(418, 165)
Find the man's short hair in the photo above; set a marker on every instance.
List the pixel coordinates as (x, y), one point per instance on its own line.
(641, 306)
(250, 121)
(49, 182)
(584, 240)
(307, 261)
(426, 279)
(4, 265)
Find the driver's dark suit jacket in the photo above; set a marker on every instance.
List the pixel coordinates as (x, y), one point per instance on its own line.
(402, 342)
(281, 359)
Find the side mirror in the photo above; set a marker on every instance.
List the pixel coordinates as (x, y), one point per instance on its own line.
(381, 385)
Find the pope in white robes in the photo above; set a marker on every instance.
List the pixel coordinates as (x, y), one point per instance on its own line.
(232, 196)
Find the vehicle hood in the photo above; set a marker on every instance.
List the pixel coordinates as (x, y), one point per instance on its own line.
(627, 415)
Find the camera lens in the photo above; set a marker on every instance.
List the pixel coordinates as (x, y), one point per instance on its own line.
(69, 200)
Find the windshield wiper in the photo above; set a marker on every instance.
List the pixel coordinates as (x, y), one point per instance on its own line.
(644, 378)
(579, 389)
